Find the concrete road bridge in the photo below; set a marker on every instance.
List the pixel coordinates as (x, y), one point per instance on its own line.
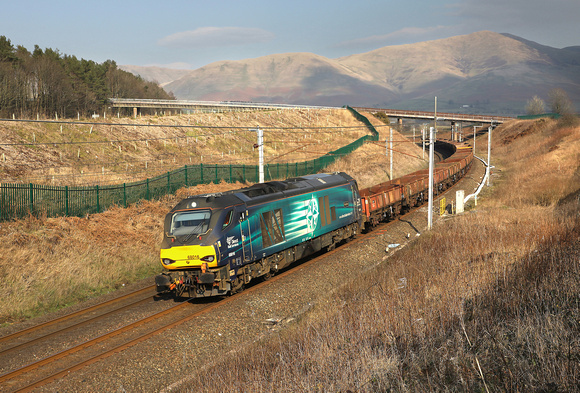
(202, 106)
(452, 117)
(223, 106)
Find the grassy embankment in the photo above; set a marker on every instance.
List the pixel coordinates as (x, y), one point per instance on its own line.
(113, 151)
(49, 263)
(490, 301)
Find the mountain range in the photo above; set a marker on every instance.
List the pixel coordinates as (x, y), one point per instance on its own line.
(482, 72)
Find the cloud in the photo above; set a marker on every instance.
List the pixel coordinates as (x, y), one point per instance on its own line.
(216, 36)
(403, 36)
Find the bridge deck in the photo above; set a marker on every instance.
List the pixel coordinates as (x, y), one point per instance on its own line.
(240, 105)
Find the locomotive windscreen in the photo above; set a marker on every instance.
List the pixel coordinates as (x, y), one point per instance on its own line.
(190, 223)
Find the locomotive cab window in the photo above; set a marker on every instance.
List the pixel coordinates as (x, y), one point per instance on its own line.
(228, 219)
(190, 223)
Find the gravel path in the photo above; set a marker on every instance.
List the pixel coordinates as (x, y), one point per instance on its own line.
(166, 360)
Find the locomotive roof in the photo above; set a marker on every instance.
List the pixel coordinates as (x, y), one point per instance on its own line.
(264, 192)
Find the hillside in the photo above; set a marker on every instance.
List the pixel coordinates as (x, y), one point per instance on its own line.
(302, 78)
(159, 75)
(119, 150)
(490, 72)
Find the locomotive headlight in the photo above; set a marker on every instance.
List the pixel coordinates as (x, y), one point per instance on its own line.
(167, 261)
(208, 258)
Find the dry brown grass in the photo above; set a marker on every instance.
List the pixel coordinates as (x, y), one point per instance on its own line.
(369, 165)
(551, 159)
(53, 262)
(151, 151)
(487, 302)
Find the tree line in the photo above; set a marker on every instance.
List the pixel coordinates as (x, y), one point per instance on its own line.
(48, 83)
(558, 101)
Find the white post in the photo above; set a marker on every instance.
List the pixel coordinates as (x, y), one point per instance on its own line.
(423, 139)
(435, 115)
(431, 165)
(261, 153)
(391, 149)
(488, 154)
(474, 127)
(459, 201)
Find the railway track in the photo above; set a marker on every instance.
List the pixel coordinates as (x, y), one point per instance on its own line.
(26, 337)
(50, 368)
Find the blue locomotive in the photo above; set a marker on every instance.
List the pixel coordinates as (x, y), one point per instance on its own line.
(214, 244)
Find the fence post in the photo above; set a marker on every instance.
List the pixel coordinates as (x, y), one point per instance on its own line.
(201, 172)
(230, 173)
(216, 173)
(125, 194)
(168, 183)
(147, 190)
(65, 199)
(186, 182)
(244, 172)
(31, 196)
(98, 201)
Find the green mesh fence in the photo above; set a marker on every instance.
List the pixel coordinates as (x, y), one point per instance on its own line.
(19, 200)
(532, 117)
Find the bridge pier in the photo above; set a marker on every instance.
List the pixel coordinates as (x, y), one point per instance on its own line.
(452, 130)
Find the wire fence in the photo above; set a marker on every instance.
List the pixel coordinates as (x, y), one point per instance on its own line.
(18, 200)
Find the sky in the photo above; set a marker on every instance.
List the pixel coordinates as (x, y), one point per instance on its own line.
(190, 34)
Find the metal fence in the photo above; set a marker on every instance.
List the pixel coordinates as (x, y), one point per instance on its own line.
(19, 200)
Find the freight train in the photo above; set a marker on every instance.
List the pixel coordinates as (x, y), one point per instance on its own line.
(215, 244)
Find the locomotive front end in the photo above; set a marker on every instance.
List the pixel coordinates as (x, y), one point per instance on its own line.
(190, 251)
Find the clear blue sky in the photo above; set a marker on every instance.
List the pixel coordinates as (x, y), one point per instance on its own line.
(191, 34)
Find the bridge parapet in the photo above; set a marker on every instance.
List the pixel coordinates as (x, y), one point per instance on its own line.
(205, 105)
(400, 114)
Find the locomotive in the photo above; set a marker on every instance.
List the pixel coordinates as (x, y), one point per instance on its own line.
(215, 244)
